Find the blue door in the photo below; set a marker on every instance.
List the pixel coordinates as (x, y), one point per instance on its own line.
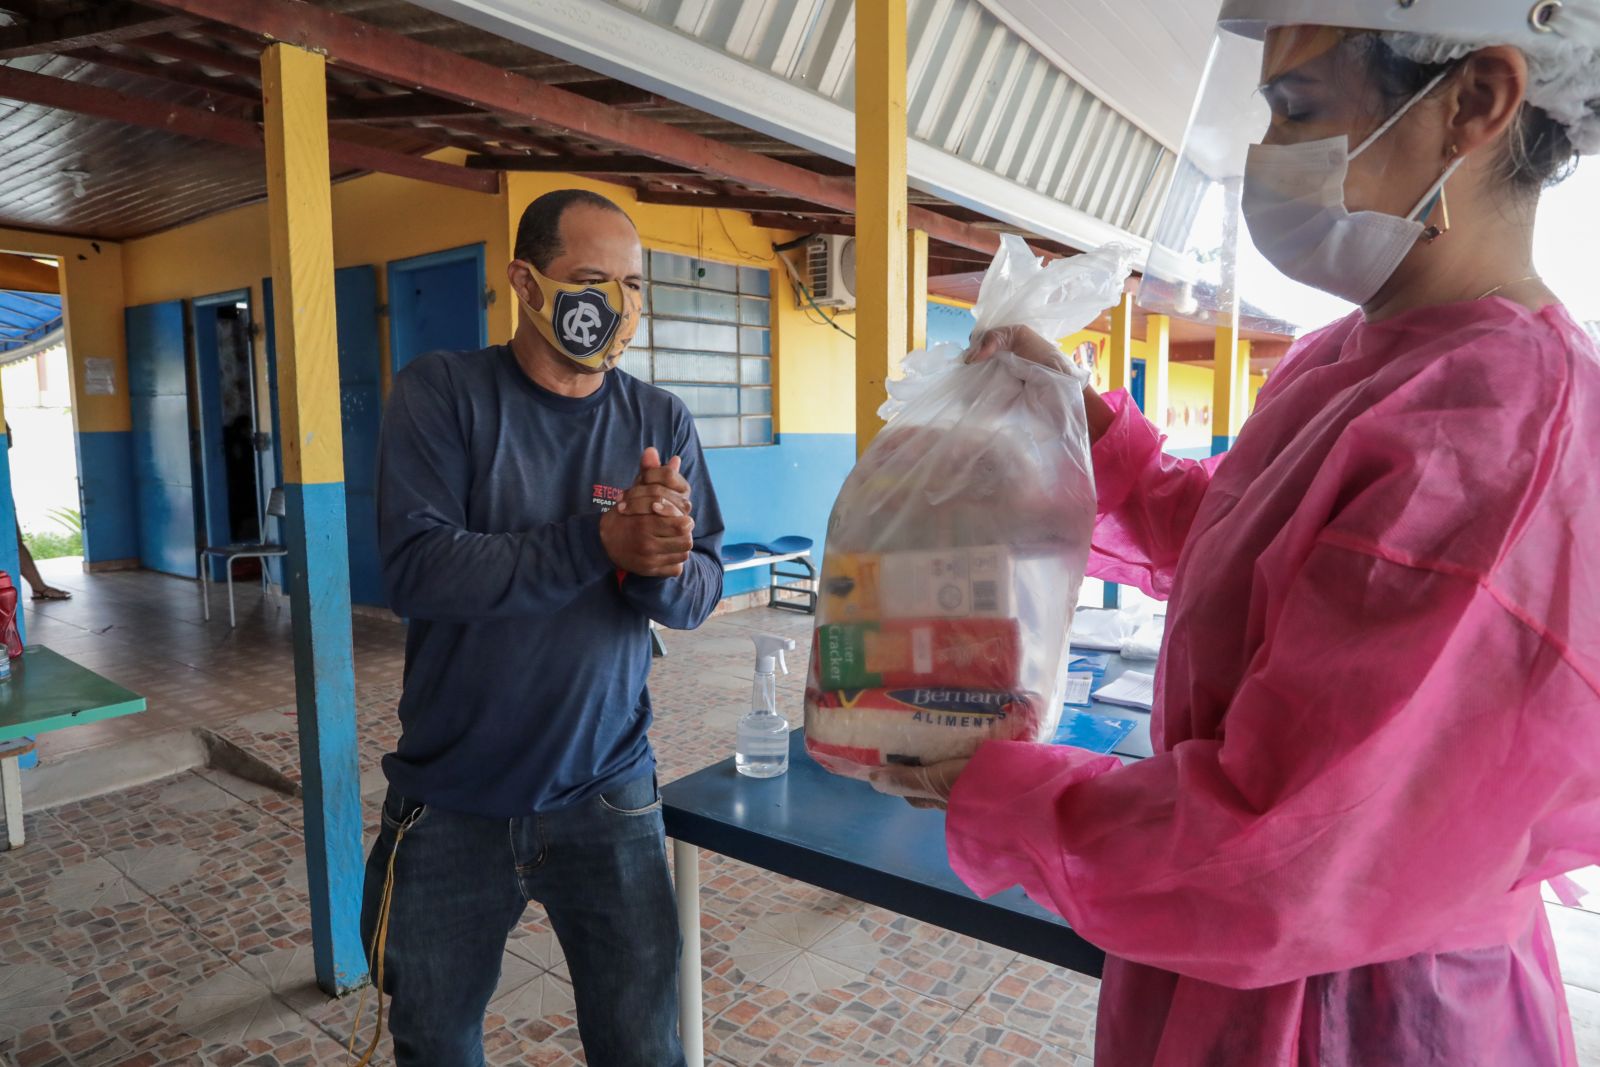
(361, 413)
(360, 405)
(436, 301)
(1136, 387)
(158, 392)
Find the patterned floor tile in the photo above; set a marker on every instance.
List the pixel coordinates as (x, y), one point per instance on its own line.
(537, 943)
(803, 952)
(973, 1043)
(232, 875)
(91, 886)
(863, 1022)
(30, 994)
(928, 960)
(529, 1020)
(1049, 1004)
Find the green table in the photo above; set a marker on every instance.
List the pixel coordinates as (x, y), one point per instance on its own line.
(46, 692)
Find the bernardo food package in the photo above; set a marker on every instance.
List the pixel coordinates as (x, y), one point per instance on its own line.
(958, 544)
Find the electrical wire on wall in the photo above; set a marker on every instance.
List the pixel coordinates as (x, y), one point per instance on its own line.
(734, 244)
(802, 292)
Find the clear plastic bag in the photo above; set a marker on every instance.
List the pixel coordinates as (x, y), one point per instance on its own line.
(958, 543)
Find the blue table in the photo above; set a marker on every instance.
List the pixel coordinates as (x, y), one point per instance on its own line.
(844, 836)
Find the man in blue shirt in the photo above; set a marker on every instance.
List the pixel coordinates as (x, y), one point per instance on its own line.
(530, 530)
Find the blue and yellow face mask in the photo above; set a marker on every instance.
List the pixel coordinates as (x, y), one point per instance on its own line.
(588, 322)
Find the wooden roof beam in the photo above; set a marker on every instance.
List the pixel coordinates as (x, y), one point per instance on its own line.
(764, 204)
(617, 94)
(842, 227)
(92, 100)
(219, 59)
(400, 60)
(106, 24)
(575, 164)
(406, 107)
(230, 96)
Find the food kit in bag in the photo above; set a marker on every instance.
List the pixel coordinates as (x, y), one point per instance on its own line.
(958, 544)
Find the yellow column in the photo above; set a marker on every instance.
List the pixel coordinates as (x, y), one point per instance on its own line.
(1119, 352)
(1157, 379)
(916, 292)
(1230, 389)
(881, 284)
(300, 223)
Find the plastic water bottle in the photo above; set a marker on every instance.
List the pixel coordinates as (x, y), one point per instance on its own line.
(763, 746)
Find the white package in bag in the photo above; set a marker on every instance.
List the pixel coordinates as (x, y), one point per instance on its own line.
(958, 543)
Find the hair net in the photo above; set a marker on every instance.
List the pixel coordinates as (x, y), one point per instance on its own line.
(1563, 74)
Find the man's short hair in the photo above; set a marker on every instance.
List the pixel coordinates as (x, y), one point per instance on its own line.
(539, 231)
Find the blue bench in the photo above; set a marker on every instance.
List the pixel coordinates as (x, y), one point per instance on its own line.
(792, 590)
(784, 588)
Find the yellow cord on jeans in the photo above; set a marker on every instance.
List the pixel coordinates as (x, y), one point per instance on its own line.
(380, 940)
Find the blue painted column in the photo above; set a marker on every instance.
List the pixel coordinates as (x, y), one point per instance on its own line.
(300, 222)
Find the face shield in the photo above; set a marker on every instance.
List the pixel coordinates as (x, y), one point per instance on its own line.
(1260, 86)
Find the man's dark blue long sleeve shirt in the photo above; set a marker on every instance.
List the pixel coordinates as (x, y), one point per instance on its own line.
(527, 653)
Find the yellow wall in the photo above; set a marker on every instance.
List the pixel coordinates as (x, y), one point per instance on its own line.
(92, 293)
(380, 218)
(376, 219)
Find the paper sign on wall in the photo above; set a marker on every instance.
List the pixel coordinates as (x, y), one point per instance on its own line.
(99, 377)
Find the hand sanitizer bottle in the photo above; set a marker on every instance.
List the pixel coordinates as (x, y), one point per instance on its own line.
(763, 747)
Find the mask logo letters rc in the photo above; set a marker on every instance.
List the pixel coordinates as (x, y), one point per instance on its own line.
(585, 322)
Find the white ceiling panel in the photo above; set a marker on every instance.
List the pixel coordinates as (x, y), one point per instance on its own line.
(1143, 57)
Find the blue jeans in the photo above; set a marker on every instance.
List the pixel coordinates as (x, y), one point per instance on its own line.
(461, 885)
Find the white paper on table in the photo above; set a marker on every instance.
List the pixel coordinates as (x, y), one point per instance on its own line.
(1134, 689)
(1078, 686)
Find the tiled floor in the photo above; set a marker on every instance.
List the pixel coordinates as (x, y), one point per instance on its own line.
(169, 923)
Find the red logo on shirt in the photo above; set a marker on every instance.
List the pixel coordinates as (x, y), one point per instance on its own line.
(606, 497)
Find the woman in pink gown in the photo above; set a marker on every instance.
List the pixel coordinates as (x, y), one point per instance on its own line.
(1377, 723)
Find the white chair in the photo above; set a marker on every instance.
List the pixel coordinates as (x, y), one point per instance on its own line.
(263, 550)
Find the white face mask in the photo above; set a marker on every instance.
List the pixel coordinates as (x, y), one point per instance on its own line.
(1294, 205)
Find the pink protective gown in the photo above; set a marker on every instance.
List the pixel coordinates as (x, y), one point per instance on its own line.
(1377, 724)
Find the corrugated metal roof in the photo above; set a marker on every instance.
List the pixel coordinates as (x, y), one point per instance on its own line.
(975, 89)
(26, 318)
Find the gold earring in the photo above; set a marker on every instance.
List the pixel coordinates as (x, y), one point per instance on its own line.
(1433, 233)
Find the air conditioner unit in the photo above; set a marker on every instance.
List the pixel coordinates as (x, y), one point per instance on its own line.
(831, 271)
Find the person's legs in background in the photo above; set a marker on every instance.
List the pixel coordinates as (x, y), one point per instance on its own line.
(30, 571)
(454, 901)
(604, 881)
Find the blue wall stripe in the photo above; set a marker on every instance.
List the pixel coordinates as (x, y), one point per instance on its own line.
(772, 491)
(324, 668)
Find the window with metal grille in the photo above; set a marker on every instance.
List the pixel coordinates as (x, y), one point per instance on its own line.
(706, 335)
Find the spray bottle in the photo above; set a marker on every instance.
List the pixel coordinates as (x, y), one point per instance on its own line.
(763, 748)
